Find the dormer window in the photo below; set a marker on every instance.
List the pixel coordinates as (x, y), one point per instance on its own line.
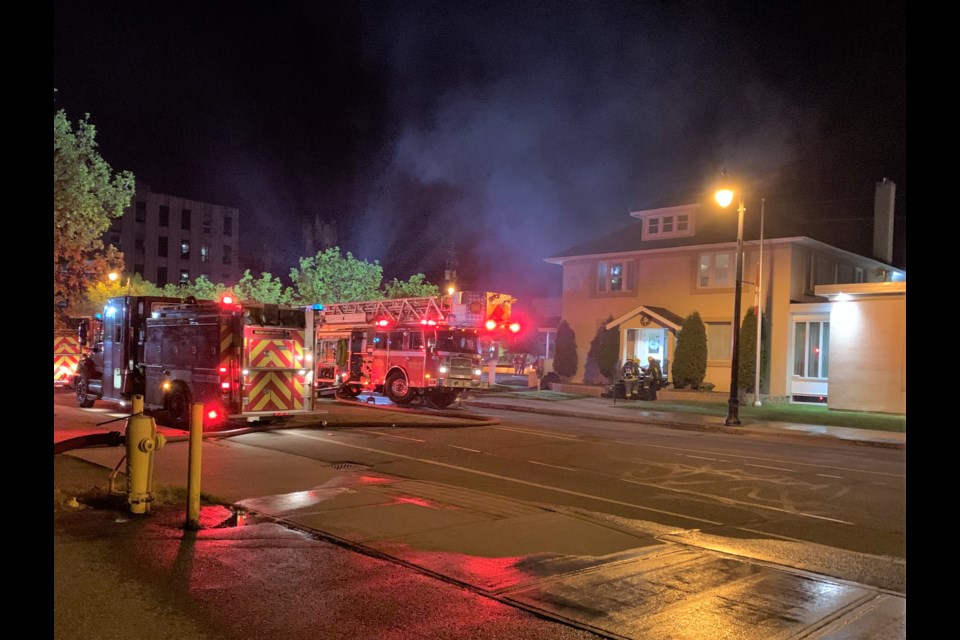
(671, 222)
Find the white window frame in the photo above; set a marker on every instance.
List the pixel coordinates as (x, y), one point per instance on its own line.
(712, 269)
(801, 361)
(605, 280)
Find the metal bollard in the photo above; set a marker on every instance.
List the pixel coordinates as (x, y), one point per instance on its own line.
(193, 477)
(142, 442)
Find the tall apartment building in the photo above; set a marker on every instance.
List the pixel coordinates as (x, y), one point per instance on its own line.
(169, 239)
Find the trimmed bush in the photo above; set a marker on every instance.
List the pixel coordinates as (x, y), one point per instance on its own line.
(690, 357)
(565, 355)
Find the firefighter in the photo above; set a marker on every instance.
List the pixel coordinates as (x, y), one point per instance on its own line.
(630, 375)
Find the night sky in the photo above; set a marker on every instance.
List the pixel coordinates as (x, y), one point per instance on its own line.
(506, 130)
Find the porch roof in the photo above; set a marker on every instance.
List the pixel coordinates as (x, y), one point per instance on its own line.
(663, 317)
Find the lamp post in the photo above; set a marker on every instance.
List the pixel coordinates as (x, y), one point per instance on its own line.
(724, 197)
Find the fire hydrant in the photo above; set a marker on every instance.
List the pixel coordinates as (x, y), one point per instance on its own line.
(142, 442)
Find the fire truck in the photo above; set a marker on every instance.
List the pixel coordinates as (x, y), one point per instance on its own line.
(70, 343)
(405, 348)
(245, 362)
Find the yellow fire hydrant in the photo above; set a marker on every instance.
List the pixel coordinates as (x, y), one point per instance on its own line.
(142, 442)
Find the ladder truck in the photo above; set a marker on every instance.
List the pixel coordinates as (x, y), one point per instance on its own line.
(424, 348)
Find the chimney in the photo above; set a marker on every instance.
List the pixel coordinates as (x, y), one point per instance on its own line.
(883, 221)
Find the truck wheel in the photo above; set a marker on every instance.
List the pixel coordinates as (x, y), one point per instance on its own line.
(84, 399)
(179, 407)
(349, 390)
(443, 399)
(397, 389)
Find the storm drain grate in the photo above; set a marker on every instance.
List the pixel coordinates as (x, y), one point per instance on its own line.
(343, 466)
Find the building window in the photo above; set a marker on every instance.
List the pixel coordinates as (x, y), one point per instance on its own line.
(719, 340)
(184, 249)
(207, 223)
(228, 225)
(669, 226)
(140, 214)
(683, 222)
(612, 277)
(138, 270)
(653, 226)
(205, 253)
(811, 348)
(858, 275)
(227, 254)
(138, 242)
(114, 239)
(185, 215)
(162, 246)
(184, 276)
(161, 276)
(716, 270)
(164, 216)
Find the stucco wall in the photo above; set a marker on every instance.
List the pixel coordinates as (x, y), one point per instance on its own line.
(868, 355)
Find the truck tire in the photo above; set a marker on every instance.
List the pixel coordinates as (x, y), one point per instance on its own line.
(397, 389)
(442, 399)
(348, 390)
(179, 407)
(84, 399)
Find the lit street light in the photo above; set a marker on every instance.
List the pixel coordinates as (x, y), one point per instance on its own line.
(724, 197)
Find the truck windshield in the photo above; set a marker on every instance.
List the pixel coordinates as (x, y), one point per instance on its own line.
(458, 341)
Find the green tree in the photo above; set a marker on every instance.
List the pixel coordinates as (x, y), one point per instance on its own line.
(565, 357)
(99, 292)
(748, 351)
(87, 195)
(329, 277)
(415, 287)
(690, 357)
(266, 289)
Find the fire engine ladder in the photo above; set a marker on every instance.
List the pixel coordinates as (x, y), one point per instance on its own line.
(397, 310)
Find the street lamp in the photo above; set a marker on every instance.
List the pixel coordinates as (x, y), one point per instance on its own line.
(724, 197)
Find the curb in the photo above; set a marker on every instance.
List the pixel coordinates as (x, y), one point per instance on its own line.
(689, 426)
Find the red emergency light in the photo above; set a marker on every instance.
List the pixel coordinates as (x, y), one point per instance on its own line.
(514, 327)
(429, 323)
(490, 325)
(382, 322)
(226, 299)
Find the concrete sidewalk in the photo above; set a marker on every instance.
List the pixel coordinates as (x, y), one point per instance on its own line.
(644, 412)
(614, 577)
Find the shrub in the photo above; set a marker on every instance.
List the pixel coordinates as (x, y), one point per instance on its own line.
(748, 351)
(565, 355)
(602, 356)
(690, 357)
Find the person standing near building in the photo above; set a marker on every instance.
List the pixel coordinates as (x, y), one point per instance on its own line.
(654, 377)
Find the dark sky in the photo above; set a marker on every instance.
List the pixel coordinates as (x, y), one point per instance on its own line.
(509, 130)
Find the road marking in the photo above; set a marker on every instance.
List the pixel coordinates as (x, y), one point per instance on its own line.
(554, 466)
(826, 475)
(527, 483)
(534, 432)
(704, 458)
(733, 501)
(390, 435)
(465, 448)
(763, 466)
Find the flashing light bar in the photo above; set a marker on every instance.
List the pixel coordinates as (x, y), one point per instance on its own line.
(383, 322)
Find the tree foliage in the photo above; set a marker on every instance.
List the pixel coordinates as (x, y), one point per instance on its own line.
(266, 289)
(329, 277)
(746, 377)
(565, 358)
(87, 195)
(415, 287)
(690, 357)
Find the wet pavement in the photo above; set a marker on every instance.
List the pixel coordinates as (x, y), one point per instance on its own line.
(299, 535)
